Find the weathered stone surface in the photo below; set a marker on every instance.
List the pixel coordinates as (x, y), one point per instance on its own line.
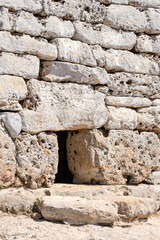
(74, 52)
(77, 210)
(154, 177)
(156, 102)
(148, 44)
(10, 105)
(25, 66)
(118, 60)
(5, 23)
(12, 122)
(69, 72)
(139, 3)
(26, 5)
(133, 102)
(104, 36)
(50, 27)
(132, 85)
(121, 118)
(153, 17)
(7, 159)
(26, 44)
(149, 119)
(114, 157)
(37, 158)
(65, 107)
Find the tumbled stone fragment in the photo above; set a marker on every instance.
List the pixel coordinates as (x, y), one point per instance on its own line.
(114, 157)
(65, 106)
(121, 118)
(37, 158)
(118, 60)
(25, 66)
(133, 102)
(148, 44)
(104, 36)
(27, 44)
(154, 178)
(7, 159)
(69, 72)
(74, 52)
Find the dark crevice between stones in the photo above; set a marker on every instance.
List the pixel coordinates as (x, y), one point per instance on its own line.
(64, 175)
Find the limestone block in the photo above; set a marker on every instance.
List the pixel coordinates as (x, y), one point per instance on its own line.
(154, 178)
(118, 60)
(114, 157)
(104, 36)
(156, 102)
(149, 119)
(132, 85)
(77, 210)
(139, 3)
(7, 159)
(69, 72)
(99, 55)
(10, 105)
(37, 157)
(121, 118)
(5, 20)
(153, 17)
(12, 122)
(50, 27)
(26, 44)
(25, 66)
(65, 106)
(74, 52)
(34, 6)
(133, 102)
(131, 19)
(148, 44)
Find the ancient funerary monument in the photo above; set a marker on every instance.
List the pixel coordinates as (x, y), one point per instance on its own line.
(88, 69)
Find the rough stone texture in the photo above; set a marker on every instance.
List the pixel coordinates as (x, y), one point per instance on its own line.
(12, 122)
(149, 119)
(69, 72)
(139, 3)
(149, 44)
(50, 27)
(153, 17)
(7, 159)
(132, 85)
(104, 36)
(34, 6)
(26, 44)
(118, 60)
(156, 102)
(154, 178)
(133, 102)
(37, 158)
(121, 118)
(114, 157)
(77, 210)
(25, 66)
(74, 52)
(5, 23)
(65, 107)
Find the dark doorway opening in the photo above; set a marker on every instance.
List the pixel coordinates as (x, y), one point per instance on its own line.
(64, 175)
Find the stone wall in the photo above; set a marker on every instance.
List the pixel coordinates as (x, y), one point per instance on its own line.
(87, 67)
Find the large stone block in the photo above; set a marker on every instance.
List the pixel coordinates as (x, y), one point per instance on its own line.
(69, 72)
(148, 44)
(153, 17)
(65, 106)
(132, 85)
(104, 36)
(154, 178)
(37, 158)
(118, 60)
(5, 23)
(25, 66)
(74, 52)
(114, 157)
(26, 44)
(7, 159)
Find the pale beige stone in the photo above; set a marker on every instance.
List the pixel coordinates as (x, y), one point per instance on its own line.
(74, 52)
(153, 17)
(10, 105)
(25, 66)
(26, 44)
(154, 178)
(121, 118)
(104, 36)
(148, 44)
(37, 158)
(66, 106)
(133, 102)
(139, 3)
(69, 72)
(156, 102)
(114, 157)
(5, 20)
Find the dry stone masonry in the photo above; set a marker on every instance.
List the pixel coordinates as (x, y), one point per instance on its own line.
(90, 68)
